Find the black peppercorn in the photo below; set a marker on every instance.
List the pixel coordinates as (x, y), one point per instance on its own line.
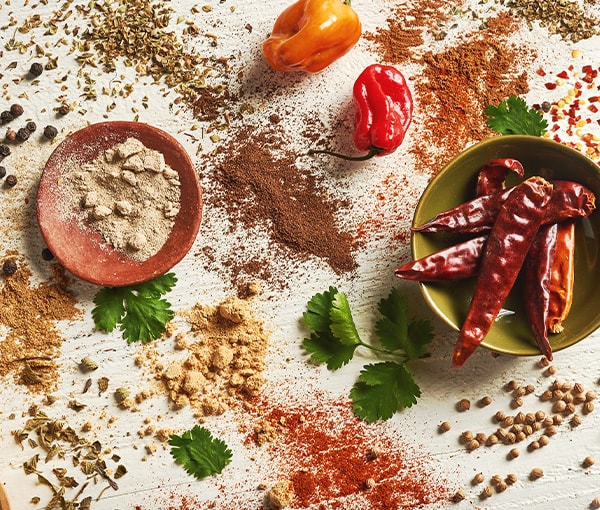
(546, 106)
(11, 180)
(9, 267)
(6, 116)
(23, 134)
(16, 110)
(36, 69)
(50, 132)
(47, 254)
(63, 109)
(4, 151)
(31, 126)
(2, 172)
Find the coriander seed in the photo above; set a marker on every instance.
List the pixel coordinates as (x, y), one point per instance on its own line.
(551, 370)
(36, 69)
(536, 473)
(485, 401)
(559, 406)
(543, 440)
(370, 483)
(496, 479)
(481, 437)
(472, 445)
(492, 440)
(534, 445)
(588, 461)
(558, 419)
(511, 479)
(578, 388)
(487, 492)
(499, 416)
(588, 407)
(544, 362)
(540, 415)
(444, 426)
(501, 486)
(513, 453)
(595, 503)
(467, 436)
(11, 180)
(511, 385)
(590, 395)
(9, 267)
(478, 478)
(11, 135)
(520, 417)
(546, 396)
(464, 405)
(516, 402)
(459, 495)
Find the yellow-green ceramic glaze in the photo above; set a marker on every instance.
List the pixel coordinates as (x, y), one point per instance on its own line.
(455, 183)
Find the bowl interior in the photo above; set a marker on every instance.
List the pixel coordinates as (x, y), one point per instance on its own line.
(83, 251)
(456, 183)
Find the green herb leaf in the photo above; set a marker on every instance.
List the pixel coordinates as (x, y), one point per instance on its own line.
(342, 323)
(392, 329)
(334, 336)
(139, 309)
(381, 389)
(199, 453)
(513, 117)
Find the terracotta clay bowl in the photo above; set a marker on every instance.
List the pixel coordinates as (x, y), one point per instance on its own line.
(82, 251)
(455, 183)
(3, 499)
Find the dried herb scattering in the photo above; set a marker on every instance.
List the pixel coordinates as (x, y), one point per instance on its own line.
(56, 439)
(33, 341)
(259, 184)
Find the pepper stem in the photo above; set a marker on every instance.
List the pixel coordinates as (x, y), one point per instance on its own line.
(373, 151)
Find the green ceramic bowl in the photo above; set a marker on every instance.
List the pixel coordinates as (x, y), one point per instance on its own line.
(456, 183)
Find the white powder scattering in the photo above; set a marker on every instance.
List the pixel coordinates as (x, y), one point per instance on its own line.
(128, 194)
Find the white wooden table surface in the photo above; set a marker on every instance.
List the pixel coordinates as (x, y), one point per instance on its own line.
(152, 478)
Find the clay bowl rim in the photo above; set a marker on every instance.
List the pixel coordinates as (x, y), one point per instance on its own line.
(83, 252)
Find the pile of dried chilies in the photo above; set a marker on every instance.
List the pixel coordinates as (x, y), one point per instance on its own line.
(528, 229)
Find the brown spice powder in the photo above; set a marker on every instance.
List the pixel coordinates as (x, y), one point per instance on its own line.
(259, 184)
(32, 343)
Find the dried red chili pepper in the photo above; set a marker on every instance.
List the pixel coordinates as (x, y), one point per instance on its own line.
(493, 174)
(562, 277)
(383, 109)
(514, 229)
(455, 262)
(569, 200)
(311, 34)
(537, 271)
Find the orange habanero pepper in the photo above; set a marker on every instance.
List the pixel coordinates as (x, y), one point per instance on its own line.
(311, 34)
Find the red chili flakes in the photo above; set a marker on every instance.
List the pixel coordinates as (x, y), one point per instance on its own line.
(563, 74)
(593, 108)
(541, 72)
(550, 85)
(593, 99)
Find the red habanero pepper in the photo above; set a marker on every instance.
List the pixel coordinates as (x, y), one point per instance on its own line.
(493, 174)
(562, 277)
(537, 271)
(569, 200)
(455, 262)
(311, 34)
(514, 229)
(383, 109)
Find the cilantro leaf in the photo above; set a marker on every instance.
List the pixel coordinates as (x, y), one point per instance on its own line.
(316, 317)
(513, 117)
(397, 333)
(200, 454)
(381, 389)
(334, 337)
(139, 309)
(342, 323)
(325, 348)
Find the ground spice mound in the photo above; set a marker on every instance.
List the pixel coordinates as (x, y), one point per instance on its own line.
(225, 348)
(28, 317)
(337, 461)
(260, 185)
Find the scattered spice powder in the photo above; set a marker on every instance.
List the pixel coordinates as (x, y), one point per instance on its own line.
(225, 359)
(32, 343)
(326, 453)
(260, 186)
(456, 84)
